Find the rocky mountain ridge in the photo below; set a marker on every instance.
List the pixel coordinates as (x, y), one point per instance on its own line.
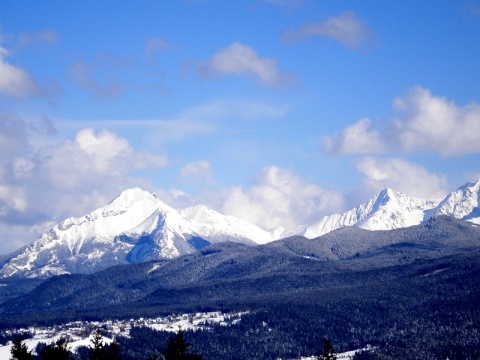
(136, 226)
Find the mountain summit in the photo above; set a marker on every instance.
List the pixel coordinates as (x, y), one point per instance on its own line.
(136, 226)
(464, 203)
(387, 210)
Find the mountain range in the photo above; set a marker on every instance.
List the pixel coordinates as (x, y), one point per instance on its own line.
(291, 270)
(137, 226)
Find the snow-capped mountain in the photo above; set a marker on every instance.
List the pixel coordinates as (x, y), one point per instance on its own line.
(136, 226)
(463, 203)
(216, 227)
(390, 209)
(385, 211)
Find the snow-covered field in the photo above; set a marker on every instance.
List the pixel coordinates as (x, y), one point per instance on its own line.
(80, 334)
(45, 338)
(348, 355)
(78, 331)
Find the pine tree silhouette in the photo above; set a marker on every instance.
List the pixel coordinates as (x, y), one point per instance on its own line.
(177, 348)
(58, 351)
(329, 352)
(96, 347)
(19, 350)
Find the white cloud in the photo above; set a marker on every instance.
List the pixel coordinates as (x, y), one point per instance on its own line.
(49, 182)
(15, 81)
(436, 124)
(279, 197)
(357, 138)
(428, 124)
(241, 59)
(197, 172)
(345, 28)
(90, 155)
(401, 175)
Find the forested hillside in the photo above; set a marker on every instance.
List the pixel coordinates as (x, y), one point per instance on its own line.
(406, 291)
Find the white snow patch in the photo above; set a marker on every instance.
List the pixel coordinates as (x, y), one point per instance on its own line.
(348, 355)
(49, 338)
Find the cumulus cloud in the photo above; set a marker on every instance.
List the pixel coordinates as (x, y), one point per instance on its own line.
(89, 155)
(401, 175)
(15, 81)
(427, 123)
(358, 138)
(345, 28)
(241, 59)
(279, 197)
(197, 172)
(41, 184)
(436, 124)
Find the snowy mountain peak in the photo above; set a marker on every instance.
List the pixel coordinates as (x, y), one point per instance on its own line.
(384, 197)
(470, 186)
(392, 210)
(200, 213)
(464, 203)
(389, 209)
(131, 195)
(386, 193)
(137, 226)
(211, 224)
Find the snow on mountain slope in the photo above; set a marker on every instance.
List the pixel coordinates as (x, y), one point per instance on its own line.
(462, 203)
(216, 227)
(87, 243)
(136, 226)
(387, 210)
(393, 210)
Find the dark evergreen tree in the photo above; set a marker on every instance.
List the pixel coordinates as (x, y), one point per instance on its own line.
(177, 348)
(328, 352)
(96, 347)
(57, 351)
(19, 350)
(112, 351)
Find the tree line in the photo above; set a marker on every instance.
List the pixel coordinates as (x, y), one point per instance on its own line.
(177, 349)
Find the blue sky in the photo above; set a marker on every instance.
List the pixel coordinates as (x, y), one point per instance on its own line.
(276, 111)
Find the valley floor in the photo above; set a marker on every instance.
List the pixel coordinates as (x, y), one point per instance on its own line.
(80, 333)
